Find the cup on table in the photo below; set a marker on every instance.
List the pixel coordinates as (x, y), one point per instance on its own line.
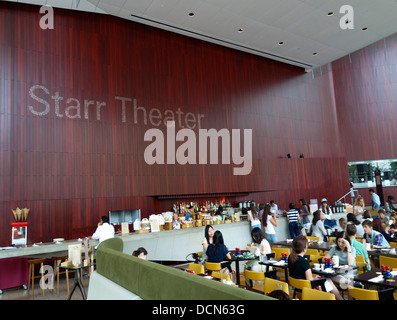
(335, 260)
(368, 245)
(317, 266)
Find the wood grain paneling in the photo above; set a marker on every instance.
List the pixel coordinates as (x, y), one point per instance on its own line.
(73, 166)
(366, 96)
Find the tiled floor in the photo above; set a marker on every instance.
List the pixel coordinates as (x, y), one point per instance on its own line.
(19, 293)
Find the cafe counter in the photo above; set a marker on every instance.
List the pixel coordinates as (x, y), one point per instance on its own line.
(171, 245)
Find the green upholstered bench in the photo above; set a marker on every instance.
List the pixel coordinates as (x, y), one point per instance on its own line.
(152, 281)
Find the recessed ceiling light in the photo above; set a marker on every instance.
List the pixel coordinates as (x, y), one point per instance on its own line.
(280, 43)
(315, 53)
(240, 30)
(330, 14)
(364, 29)
(191, 14)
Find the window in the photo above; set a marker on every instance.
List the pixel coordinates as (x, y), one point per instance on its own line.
(362, 173)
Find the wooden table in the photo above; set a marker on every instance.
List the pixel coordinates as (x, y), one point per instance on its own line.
(237, 260)
(323, 246)
(366, 277)
(337, 271)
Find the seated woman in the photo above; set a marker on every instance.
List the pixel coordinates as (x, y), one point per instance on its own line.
(140, 253)
(208, 239)
(217, 251)
(260, 241)
(318, 229)
(345, 252)
(299, 267)
(343, 249)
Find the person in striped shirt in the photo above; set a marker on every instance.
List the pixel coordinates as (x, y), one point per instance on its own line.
(293, 221)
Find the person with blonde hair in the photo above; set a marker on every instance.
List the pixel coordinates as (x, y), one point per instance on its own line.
(358, 208)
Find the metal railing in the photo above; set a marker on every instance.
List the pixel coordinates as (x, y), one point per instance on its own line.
(349, 193)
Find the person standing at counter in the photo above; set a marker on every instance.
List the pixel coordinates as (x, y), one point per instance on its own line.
(305, 212)
(104, 230)
(375, 200)
(293, 219)
(274, 206)
(269, 221)
(253, 216)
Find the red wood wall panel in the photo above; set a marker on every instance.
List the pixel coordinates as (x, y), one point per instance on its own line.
(366, 96)
(72, 167)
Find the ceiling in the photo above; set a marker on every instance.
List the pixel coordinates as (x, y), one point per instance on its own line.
(298, 32)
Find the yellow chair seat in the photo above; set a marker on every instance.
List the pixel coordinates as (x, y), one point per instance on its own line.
(312, 294)
(272, 284)
(388, 261)
(197, 268)
(311, 238)
(213, 266)
(278, 251)
(222, 276)
(298, 284)
(363, 294)
(251, 276)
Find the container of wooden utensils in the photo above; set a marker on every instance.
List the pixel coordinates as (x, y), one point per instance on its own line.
(20, 215)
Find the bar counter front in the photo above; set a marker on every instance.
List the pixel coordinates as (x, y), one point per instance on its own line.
(167, 245)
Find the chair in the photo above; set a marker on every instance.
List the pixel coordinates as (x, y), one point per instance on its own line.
(213, 266)
(359, 239)
(57, 262)
(388, 261)
(314, 252)
(315, 259)
(272, 284)
(312, 294)
(298, 284)
(220, 275)
(311, 238)
(255, 276)
(197, 268)
(360, 263)
(278, 251)
(32, 263)
(393, 244)
(363, 294)
(331, 239)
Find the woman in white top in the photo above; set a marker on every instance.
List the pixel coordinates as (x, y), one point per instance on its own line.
(318, 225)
(260, 241)
(358, 208)
(269, 221)
(208, 239)
(253, 216)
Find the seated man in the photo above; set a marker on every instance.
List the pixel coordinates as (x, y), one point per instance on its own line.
(372, 236)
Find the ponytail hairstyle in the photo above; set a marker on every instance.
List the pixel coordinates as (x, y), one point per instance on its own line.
(138, 251)
(316, 217)
(254, 212)
(266, 212)
(299, 244)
